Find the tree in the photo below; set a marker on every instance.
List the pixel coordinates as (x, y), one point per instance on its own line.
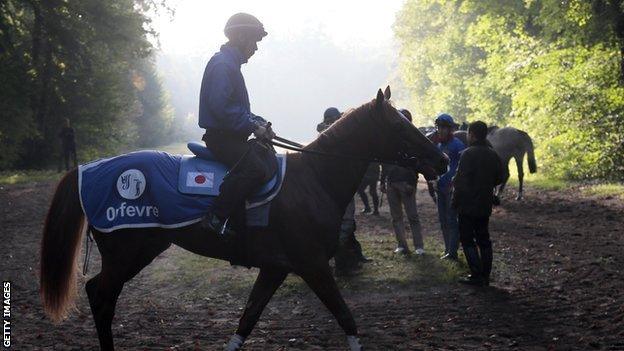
(553, 68)
(72, 60)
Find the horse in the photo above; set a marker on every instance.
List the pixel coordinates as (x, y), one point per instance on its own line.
(509, 142)
(304, 221)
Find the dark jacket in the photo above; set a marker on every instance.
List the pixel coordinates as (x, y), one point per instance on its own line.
(223, 99)
(395, 174)
(479, 171)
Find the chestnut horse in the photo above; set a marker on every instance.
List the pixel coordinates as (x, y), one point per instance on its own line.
(303, 226)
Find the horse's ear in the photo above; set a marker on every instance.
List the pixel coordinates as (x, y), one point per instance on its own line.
(387, 93)
(379, 100)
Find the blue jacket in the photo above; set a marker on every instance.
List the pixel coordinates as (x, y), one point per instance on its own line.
(452, 149)
(223, 99)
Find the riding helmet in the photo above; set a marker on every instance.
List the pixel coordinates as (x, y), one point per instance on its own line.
(246, 22)
(444, 119)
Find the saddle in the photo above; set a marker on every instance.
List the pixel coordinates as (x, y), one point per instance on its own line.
(202, 174)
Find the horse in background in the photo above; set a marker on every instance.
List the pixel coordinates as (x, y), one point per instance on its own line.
(509, 142)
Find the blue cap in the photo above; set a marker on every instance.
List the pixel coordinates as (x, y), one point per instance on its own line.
(331, 114)
(445, 118)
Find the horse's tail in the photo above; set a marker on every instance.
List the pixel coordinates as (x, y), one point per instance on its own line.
(530, 153)
(62, 233)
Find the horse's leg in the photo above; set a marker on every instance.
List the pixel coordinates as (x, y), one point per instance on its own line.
(268, 281)
(103, 290)
(501, 188)
(322, 282)
(519, 163)
(121, 261)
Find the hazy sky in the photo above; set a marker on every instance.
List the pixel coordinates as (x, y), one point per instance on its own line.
(317, 54)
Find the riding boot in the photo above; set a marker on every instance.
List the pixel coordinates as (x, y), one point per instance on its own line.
(213, 223)
(486, 261)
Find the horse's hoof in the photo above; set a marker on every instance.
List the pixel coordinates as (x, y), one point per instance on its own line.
(354, 343)
(235, 343)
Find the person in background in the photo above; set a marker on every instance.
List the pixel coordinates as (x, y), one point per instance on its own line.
(349, 256)
(399, 183)
(370, 179)
(479, 171)
(452, 147)
(68, 146)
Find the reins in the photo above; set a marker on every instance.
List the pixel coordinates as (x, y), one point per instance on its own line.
(294, 146)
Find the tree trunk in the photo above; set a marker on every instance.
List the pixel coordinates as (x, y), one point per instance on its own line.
(42, 65)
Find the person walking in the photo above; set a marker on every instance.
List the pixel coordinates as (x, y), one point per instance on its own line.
(480, 170)
(399, 184)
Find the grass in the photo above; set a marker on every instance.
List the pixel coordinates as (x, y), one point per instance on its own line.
(28, 176)
(545, 182)
(386, 272)
(604, 189)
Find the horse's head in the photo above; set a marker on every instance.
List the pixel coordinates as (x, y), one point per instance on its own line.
(404, 143)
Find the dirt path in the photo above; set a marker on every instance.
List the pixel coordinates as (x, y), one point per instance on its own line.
(559, 285)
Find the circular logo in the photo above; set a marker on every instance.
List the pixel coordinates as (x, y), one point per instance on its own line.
(200, 179)
(131, 184)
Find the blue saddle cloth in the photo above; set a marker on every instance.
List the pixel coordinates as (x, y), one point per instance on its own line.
(156, 189)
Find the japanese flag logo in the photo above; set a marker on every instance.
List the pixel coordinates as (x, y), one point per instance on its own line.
(200, 179)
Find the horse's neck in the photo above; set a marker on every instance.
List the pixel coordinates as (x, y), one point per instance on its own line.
(341, 176)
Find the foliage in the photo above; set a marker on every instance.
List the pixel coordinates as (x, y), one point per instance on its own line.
(76, 60)
(552, 68)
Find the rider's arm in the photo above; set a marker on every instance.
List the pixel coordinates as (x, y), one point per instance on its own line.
(230, 113)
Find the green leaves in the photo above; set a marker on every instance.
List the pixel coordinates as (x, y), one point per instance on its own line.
(549, 67)
(74, 60)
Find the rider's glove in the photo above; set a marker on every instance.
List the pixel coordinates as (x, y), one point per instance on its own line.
(259, 121)
(264, 133)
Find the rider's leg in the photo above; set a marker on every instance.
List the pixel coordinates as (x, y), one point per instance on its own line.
(248, 170)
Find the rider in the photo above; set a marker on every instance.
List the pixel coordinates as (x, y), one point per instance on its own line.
(225, 113)
(452, 147)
